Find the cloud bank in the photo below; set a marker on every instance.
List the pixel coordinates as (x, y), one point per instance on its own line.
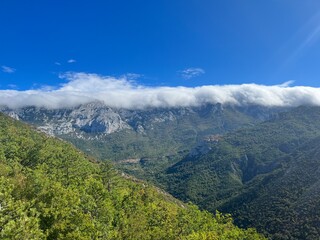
(123, 92)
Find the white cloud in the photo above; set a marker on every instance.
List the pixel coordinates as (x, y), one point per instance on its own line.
(71, 61)
(287, 83)
(125, 93)
(7, 69)
(191, 73)
(57, 63)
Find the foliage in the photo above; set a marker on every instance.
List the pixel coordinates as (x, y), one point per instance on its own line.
(50, 190)
(265, 175)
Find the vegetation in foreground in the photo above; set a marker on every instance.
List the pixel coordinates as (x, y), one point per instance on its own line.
(50, 190)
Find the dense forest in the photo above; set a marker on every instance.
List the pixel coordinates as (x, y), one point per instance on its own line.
(266, 176)
(51, 190)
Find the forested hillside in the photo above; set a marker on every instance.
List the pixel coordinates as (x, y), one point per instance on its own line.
(287, 200)
(154, 138)
(265, 175)
(50, 190)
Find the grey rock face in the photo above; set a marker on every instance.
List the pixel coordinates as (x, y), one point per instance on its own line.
(89, 118)
(95, 119)
(109, 133)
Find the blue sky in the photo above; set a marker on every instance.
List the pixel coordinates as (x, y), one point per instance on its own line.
(165, 43)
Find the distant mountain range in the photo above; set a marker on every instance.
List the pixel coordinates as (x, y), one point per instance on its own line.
(122, 134)
(258, 163)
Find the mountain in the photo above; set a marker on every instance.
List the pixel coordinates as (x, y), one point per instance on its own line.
(142, 142)
(259, 164)
(266, 175)
(51, 190)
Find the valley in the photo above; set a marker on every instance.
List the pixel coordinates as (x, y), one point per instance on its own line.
(51, 190)
(240, 160)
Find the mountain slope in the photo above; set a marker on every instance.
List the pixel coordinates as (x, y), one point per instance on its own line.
(247, 171)
(289, 197)
(50, 190)
(142, 132)
(142, 142)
